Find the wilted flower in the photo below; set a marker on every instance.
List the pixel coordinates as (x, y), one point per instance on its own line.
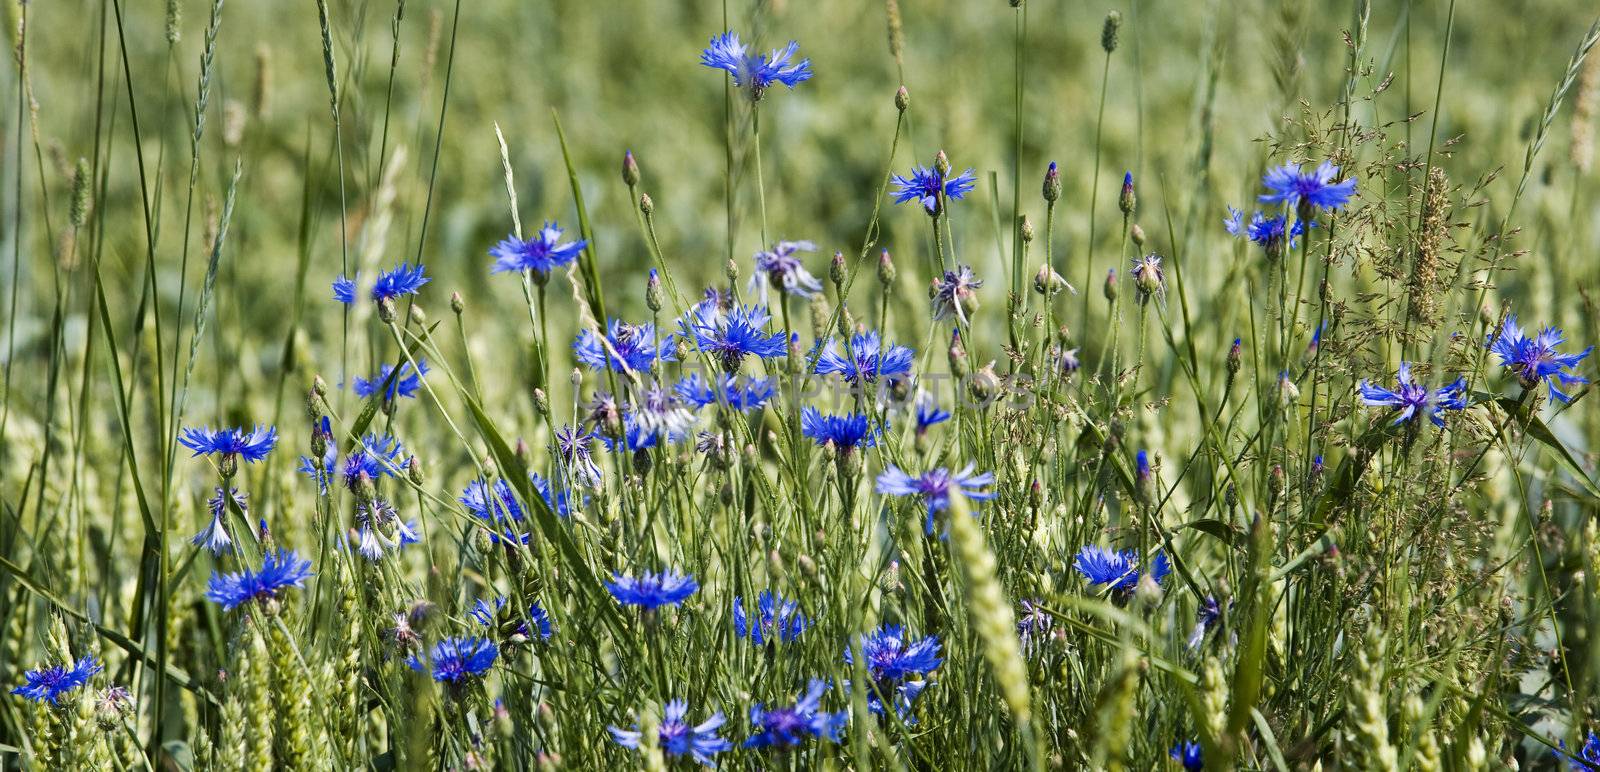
(782, 270)
(955, 293)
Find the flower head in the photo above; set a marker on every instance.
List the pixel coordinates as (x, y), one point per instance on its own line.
(278, 572)
(729, 336)
(1119, 570)
(677, 737)
(1187, 754)
(1313, 189)
(776, 618)
(742, 393)
(1209, 614)
(790, 726)
(891, 660)
(658, 411)
(403, 280)
(955, 293)
(344, 290)
(755, 71)
(936, 486)
(650, 590)
(1536, 359)
(625, 347)
(928, 186)
(253, 445)
(1148, 278)
(783, 271)
(928, 412)
(50, 683)
(573, 446)
(865, 360)
(378, 456)
(1033, 624)
(215, 537)
(1588, 757)
(455, 661)
(844, 432)
(1272, 233)
(404, 385)
(541, 254)
(1414, 399)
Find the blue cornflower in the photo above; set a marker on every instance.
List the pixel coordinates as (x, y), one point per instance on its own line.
(731, 335)
(845, 432)
(935, 486)
(1414, 399)
(403, 280)
(1307, 190)
(560, 502)
(1536, 359)
(926, 184)
(625, 347)
(1271, 233)
(378, 456)
(1187, 754)
(49, 683)
(1033, 625)
(541, 254)
(344, 290)
(776, 617)
(754, 71)
(780, 269)
(278, 572)
(1588, 757)
(955, 293)
(742, 393)
(214, 537)
(484, 611)
(658, 410)
(650, 590)
(867, 359)
(455, 660)
(677, 737)
(890, 663)
(404, 385)
(497, 504)
(637, 435)
(573, 446)
(1208, 615)
(253, 445)
(791, 726)
(1120, 570)
(541, 623)
(928, 412)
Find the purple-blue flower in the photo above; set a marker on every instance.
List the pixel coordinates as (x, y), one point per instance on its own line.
(1187, 754)
(844, 432)
(1588, 757)
(776, 618)
(1271, 233)
(866, 359)
(955, 293)
(790, 726)
(1413, 399)
(652, 590)
(49, 683)
(935, 486)
(755, 71)
(253, 445)
(1314, 189)
(405, 384)
(404, 280)
(541, 254)
(925, 184)
(928, 412)
(344, 290)
(891, 659)
(278, 572)
(625, 347)
(1120, 570)
(377, 457)
(677, 737)
(742, 392)
(215, 537)
(780, 269)
(729, 336)
(456, 660)
(1536, 359)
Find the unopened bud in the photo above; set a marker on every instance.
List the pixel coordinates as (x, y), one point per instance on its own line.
(885, 269)
(541, 402)
(1025, 229)
(731, 270)
(1234, 353)
(958, 357)
(630, 169)
(1052, 183)
(836, 271)
(414, 471)
(1111, 284)
(652, 292)
(1137, 234)
(941, 164)
(386, 311)
(902, 99)
(646, 205)
(456, 304)
(1127, 200)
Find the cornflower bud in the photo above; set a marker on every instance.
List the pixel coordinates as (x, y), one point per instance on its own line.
(1052, 183)
(886, 270)
(902, 99)
(1127, 200)
(630, 169)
